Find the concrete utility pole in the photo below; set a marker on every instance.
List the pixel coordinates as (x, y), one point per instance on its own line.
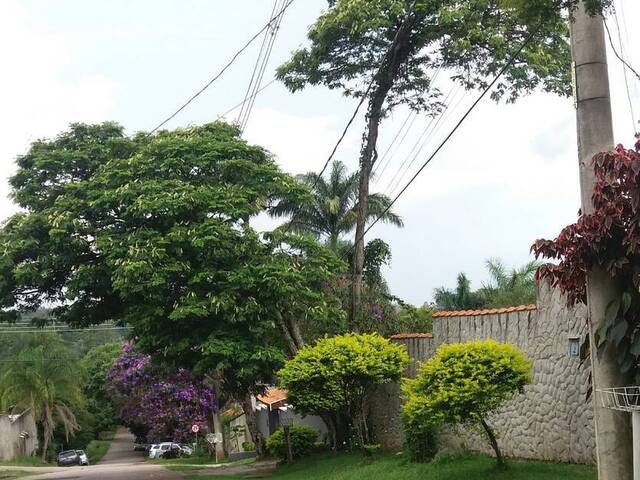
(595, 134)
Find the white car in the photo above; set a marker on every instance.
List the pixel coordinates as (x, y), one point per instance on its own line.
(84, 460)
(153, 450)
(158, 449)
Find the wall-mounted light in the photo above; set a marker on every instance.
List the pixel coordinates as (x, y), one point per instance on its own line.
(574, 346)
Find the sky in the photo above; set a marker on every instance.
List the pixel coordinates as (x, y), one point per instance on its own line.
(506, 178)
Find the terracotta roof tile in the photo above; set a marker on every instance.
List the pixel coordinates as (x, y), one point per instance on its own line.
(398, 336)
(488, 311)
(272, 395)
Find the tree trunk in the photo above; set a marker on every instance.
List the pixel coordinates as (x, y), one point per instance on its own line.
(288, 337)
(45, 447)
(493, 440)
(595, 134)
(252, 424)
(384, 79)
(217, 428)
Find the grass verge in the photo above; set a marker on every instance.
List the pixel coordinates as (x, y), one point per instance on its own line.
(396, 467)
(9, 474)
(96, 449)
(25, 462)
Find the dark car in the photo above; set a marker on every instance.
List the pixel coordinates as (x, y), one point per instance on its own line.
(174, 452)
(68, 458)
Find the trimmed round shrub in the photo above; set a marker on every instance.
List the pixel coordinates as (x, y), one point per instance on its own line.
(303, 440)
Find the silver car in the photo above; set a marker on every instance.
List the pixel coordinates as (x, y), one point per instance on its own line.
(84, 460)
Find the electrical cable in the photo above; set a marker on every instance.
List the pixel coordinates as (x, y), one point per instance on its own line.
(422, 139)
(255, 67)
(265, 62)
(451, 133)
(624, 70)
(224, 69)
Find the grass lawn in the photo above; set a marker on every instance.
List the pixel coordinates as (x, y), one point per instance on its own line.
(7, 475)
(96, 449)
(396, 467)
(33, 461)
(186, 466)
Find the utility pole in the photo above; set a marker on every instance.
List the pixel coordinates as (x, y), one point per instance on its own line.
(595, 134)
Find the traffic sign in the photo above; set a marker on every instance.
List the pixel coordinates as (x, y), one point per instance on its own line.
(195, 428)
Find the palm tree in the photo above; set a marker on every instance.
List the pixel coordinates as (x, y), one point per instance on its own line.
(504, 289)
(460, 298)
(508, 288)
(46, 378)
(332, 211)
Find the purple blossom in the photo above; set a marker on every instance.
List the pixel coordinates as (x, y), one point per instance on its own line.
(165, 405)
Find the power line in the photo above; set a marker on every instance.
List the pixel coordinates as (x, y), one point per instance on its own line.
(265, 61)
(422, 140)
(624, 70)
(335, 148)
(238, 105)
(413, 114)
(224, 69)
(451, 133)
(255, 67)
(615, 51)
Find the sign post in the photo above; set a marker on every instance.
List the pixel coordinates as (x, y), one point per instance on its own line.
(195, 428)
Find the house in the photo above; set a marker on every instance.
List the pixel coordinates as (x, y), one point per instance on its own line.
(273, 410)
(18, 435)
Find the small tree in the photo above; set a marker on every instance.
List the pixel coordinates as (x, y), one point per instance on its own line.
(334, 377)
(464, 382)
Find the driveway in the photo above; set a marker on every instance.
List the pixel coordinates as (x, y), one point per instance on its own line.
(119, 463)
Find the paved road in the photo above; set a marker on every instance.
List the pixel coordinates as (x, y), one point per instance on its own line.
(120, 463)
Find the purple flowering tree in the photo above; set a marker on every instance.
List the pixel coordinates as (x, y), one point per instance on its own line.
(158, 404)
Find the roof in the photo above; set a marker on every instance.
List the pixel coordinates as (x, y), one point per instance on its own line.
(272, 396)
(489, 311)
(400, 336)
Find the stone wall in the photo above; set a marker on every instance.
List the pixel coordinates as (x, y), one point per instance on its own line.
(551, 420)
(18, 436)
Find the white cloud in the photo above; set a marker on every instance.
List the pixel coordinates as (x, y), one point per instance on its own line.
(37, 96)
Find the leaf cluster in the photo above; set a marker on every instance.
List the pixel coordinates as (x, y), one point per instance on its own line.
(607, 239)
(337, 373)
(463, 383)
(351, 40)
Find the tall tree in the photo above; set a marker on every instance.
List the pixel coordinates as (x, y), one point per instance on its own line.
(332, 211)
(505, 288)
(387, 50)
(45, 377)
(509, 287)
(156, 235)
(460, 298)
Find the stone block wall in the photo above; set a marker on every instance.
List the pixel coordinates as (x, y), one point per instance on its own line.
(551, 420)
(18, 436)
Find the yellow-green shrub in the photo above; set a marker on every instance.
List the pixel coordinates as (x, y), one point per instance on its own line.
(464, 382)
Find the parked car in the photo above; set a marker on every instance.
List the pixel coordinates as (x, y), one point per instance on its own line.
(174, 451)
(68, 458)
(154, 450)
(84, 460)
(187, 451)
(140, 444)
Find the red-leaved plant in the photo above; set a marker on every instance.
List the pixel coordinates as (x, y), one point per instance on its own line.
(609, 239)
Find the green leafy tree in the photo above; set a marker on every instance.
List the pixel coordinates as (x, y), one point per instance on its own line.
(332, 210)
(334, 377)
(508, 288)
(97, 363)
(461, 298)
(505, 288)
(154, 232)
(463, 383)
(45, 377)
(388, 50)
